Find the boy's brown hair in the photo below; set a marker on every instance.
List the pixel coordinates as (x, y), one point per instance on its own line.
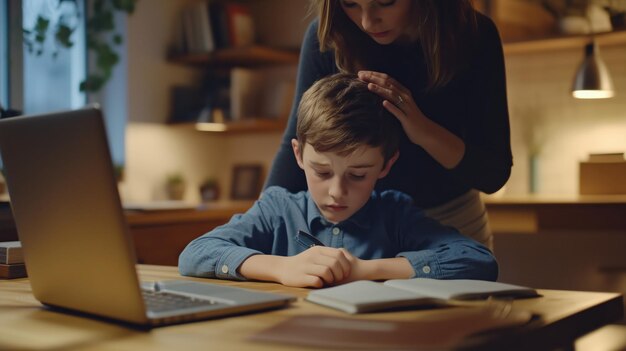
(339, 114)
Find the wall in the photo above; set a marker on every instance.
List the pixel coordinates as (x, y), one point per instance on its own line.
(560, 130)
(155, 149)
(544, 117)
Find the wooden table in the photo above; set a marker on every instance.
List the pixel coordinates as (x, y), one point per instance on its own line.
(24, 324)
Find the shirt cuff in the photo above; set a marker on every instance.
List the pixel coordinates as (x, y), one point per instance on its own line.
(228, 264)
(425, 263)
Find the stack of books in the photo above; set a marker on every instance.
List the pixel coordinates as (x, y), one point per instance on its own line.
(209, 25)
(11, 260)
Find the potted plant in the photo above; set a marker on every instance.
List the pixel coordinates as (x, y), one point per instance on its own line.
(209, 190)
(175, 186)
(583, 16)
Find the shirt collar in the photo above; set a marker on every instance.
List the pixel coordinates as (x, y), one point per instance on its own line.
(362, 218)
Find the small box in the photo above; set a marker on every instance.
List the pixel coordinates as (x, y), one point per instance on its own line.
(603, 174)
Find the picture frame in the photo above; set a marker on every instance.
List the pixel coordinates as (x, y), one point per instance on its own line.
(246, 182)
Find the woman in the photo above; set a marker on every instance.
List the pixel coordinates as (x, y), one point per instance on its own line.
(440, 67)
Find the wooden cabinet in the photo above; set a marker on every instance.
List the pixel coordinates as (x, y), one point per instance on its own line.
(545, 214)
(561, 242)
(160, 236)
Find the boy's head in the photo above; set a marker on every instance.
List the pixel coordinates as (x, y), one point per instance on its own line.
(346, 141)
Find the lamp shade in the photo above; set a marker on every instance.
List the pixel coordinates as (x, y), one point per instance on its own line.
(592, 78)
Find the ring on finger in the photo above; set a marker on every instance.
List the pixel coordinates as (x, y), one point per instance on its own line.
(400, 100)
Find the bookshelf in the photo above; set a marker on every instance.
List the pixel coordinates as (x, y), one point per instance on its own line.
(252, 56)
(564, 42)
(248, 125)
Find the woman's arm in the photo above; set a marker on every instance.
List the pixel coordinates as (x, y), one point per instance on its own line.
(481, 156)
(486, 164)
(313, 66)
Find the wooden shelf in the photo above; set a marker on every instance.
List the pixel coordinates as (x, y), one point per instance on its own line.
(564, 42)
(248, 125)
(247, 57)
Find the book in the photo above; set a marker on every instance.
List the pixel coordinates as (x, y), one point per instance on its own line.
(369, 296)
(219, 24)
(261, 92)
(12, 271)
(11, 252)
(240, 24)
(246, 89)
(206, 41)
(197, 28)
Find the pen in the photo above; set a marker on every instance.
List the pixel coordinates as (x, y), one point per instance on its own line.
(309, 239)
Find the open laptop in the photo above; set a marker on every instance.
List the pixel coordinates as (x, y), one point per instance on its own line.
(77, 247)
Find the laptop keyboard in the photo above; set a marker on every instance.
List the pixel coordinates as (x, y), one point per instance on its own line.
(158, 301)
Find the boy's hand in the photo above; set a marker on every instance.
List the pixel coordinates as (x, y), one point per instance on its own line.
(377, 269)
(319, 266)
(359, 269)
(316, 267)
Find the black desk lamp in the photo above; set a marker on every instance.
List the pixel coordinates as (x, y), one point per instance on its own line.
(593, 80)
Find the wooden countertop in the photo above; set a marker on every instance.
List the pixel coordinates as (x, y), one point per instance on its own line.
(211, 211)
(548, 199)
(557, 213)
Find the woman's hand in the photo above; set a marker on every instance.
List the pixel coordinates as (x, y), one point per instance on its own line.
(445, 147)
(399, 101)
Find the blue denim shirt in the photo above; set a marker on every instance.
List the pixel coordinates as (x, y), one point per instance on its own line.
(387, 226)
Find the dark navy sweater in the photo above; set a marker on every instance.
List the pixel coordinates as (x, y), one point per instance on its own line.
(473, 106)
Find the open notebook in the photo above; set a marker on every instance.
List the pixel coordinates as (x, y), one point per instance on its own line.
(368, 296)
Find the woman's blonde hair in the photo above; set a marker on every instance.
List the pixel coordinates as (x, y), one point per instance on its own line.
(441, 27)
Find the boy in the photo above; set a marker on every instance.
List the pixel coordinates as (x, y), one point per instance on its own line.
(340, 230)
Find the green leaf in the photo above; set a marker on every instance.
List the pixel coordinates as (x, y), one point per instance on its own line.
(101, 21)
(42, 24)
(106, 57)
(92, 42)
(63, 35)
(92, 83)
(117, 39)
(127, 6)
(98, 5)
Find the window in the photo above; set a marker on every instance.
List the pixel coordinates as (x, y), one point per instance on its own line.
(52, 74)
(38, 78)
